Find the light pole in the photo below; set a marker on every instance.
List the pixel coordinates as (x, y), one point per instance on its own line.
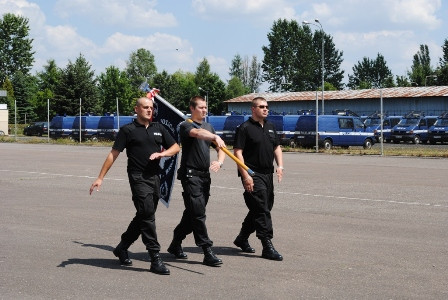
(323, 71)
(429, 76)
(206, 97)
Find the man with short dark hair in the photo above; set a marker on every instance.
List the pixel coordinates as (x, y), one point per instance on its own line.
(194, 175)
(143, 140)
(257, 145)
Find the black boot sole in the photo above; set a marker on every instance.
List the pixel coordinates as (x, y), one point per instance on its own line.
(244, 249)
(125, 262)
(177, 254)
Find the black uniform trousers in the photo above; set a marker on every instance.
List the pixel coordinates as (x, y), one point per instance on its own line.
(260, 203)
(145, 195)
(196, 194)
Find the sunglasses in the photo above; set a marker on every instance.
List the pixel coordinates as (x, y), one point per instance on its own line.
(263, 106)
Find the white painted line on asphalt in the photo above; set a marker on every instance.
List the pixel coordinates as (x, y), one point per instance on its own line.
(222, 187)
(365, 199)
(62, 175)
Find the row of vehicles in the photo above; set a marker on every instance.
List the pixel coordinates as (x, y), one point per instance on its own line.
(343, 128)
(413, 127)
(87, 127)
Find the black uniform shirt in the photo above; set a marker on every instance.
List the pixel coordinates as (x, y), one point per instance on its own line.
(140, 142)
(258, 144)
(195, 152)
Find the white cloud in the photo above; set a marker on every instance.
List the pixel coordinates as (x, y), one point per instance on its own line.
(235, 9)
(420, 12)
(24, 8)
(128, 14)
(63, 43)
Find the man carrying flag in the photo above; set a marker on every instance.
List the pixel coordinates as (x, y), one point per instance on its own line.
(196, 138)
(143, 140)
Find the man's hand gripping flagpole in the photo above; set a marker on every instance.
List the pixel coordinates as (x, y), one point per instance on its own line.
(226, 151)
(153, 93)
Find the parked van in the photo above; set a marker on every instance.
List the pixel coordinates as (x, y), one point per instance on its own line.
(218, 123)
(108, 126)
(413, 127)
(438, 133)
(373, 124)
(334, 130)
(61, 127)
(230, 127)
(89, 127)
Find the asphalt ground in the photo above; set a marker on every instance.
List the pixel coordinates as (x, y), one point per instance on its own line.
(349, 227)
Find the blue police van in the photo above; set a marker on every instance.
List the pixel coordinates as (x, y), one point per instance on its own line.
(61, 127)
(438, 133)
(230, 125)
(108, 126)
(413, 128)
(333, 130)
(88, 128)
(218, 123)
(373, 124)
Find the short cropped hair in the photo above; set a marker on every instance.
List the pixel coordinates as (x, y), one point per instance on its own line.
(194, 100)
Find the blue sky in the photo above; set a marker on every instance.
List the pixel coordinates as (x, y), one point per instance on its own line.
(180, 33)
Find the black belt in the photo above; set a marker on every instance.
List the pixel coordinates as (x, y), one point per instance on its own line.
(194, 172)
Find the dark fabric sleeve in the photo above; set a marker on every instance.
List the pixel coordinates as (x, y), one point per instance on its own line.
(121, 139)
(240, 137)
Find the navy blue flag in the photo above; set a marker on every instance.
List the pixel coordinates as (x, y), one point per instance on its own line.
(171, 118)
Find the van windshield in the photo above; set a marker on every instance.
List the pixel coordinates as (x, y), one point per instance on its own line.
(441, 122)
(372, 122)
(408, 122)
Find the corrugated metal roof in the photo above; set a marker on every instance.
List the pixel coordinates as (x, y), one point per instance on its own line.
(397, 92)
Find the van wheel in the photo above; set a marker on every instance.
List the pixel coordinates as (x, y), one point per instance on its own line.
(368, 144)
(416, 140)
(328, 144)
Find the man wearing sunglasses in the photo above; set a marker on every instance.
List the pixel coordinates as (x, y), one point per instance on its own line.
(257, 145)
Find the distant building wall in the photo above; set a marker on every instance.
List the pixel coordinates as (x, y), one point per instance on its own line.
(391, 106)
(4, 121)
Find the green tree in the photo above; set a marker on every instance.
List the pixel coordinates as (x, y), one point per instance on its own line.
(292, 60)
(254, 78)
(235, 88)
(140, 67)
(47, 82)
(177, 88)
(25, 88)
(421, 66)
(77, 82)
(248, 72)
(236, 67)
(115, 84)
(442, 70)
(332, 61)
(16, 53)
(50, 77)
(202, 73)
(211, 84)
(370, 73)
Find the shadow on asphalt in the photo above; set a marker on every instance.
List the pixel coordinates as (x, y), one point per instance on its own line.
(143, 256)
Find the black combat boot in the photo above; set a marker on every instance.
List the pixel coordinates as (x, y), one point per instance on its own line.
(121, 251)
(243, 243)
(269, 251)
(175, 249)
(210, 258)
(157, 265)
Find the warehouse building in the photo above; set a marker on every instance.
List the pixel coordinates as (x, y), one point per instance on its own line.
(397, 101)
